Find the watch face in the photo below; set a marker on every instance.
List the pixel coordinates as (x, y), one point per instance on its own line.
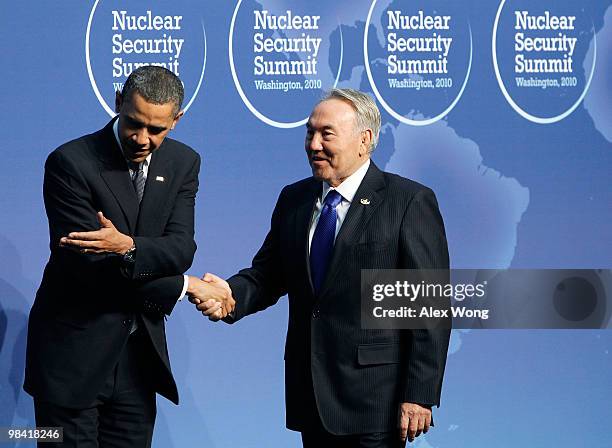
(129, 256)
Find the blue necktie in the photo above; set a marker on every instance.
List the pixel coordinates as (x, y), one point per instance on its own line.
(323, 239)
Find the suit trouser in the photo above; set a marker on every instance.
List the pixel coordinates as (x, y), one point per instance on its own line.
(123, 413)
(318, 439)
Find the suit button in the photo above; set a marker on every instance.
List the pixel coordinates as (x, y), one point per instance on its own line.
(316, 313)
(127, 321)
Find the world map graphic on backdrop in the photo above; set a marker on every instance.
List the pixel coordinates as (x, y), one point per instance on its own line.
(476, 199)
(502, 107)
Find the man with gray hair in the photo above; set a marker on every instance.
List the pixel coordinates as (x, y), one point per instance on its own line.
(347, 386)
(120, 204)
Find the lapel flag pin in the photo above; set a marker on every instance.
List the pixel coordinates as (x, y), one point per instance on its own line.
(160, 178)
(365, 201)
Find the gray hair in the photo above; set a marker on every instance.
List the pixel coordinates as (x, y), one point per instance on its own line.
(157, 85)
(367, 115)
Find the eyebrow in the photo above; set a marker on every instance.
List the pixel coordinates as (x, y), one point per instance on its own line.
(327, 127)
(136, 122)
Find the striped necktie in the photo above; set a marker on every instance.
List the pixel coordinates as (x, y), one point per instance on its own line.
(138, 178)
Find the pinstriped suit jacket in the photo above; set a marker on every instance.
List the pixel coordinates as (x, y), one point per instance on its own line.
(358, 376)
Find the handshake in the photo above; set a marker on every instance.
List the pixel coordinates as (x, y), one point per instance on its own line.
(211, 295)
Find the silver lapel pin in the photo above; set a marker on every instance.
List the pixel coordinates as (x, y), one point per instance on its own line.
(160, 178)
(365, 201)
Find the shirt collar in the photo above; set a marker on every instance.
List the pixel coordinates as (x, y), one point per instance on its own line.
(146, 162)
(348, 188)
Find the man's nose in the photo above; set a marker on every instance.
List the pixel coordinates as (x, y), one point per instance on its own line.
(314, 144)
(142, 137)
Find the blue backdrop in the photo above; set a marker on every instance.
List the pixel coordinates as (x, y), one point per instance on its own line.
(522, 174)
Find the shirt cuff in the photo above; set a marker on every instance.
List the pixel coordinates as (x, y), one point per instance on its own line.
(185, 284)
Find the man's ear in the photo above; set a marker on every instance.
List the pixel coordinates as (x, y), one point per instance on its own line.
(366, 142)
(177, 118)
(118, 101)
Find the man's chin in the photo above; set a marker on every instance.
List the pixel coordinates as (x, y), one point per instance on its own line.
(318, 174)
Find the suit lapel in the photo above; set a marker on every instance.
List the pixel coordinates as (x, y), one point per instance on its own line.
(371, 191)
(303, 215)
(159, 176)
(115, 173)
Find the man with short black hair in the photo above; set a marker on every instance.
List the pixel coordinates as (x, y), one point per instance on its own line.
(120, 204)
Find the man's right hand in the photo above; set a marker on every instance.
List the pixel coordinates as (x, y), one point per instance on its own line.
(211, 295)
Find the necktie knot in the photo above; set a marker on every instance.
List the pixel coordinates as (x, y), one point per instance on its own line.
(134, 166)
(332, 199)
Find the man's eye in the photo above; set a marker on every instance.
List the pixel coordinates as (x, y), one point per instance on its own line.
(132, 124)
(155, 131)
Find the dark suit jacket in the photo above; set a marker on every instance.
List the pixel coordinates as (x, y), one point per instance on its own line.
(84, 307)
(359, 376)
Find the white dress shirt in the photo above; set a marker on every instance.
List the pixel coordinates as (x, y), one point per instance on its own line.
(347, 189)
(145, 170)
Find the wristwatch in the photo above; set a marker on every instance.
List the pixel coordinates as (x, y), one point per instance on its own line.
(130, 255)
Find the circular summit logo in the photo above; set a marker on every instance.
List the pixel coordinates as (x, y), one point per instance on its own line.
(418, 57)
(539, 51)
(282, 54)
(122, 37)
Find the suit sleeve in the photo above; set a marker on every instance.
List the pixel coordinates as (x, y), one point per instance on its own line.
(70, 207)
(172, 252)
(263, 284)
(423, 246)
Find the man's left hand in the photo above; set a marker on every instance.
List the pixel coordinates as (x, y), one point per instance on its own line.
(414, 419)
(105, 240)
